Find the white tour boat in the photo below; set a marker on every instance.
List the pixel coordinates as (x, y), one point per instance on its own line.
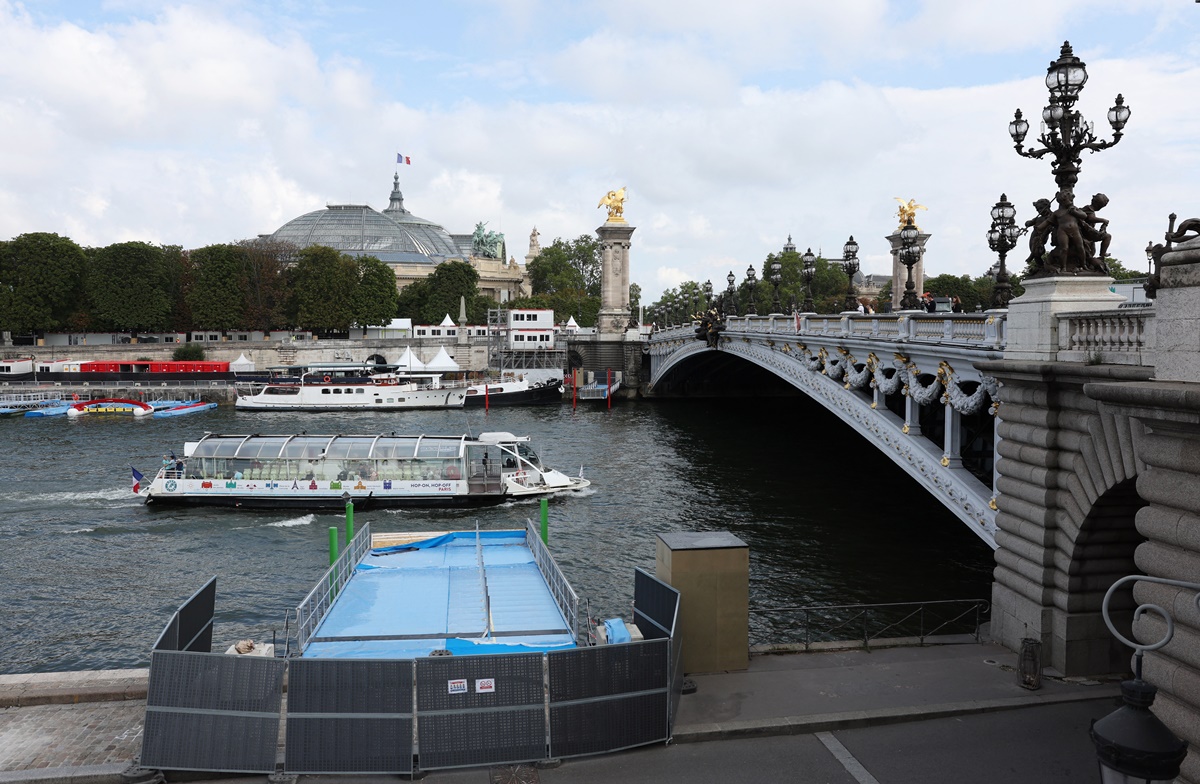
(324, 471)
(324, 392)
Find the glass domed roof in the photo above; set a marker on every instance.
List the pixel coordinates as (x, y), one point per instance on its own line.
(393, 235)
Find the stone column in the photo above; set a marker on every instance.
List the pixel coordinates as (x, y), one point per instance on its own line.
(900, 272)
(614, 282)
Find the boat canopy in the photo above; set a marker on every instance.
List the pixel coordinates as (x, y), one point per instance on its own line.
(313, 447)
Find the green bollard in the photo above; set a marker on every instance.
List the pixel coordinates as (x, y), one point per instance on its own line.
(349, 522)
(333, 545)
(545, 521)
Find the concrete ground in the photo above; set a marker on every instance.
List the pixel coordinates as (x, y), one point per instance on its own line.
(937, 713)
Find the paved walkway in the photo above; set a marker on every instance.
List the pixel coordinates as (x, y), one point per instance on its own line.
(85, 728)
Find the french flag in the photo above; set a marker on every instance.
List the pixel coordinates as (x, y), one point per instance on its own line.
(403, 159)
(137, 480)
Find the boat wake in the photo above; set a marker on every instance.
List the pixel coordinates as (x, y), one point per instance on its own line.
(111, 494)
(303, 520)
(81, 531)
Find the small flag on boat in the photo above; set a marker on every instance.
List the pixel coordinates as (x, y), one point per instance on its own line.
(403, 159)
(137, 480)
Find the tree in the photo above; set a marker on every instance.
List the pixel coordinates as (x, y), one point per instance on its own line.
(118, 270)
(564, 266)
(430, 300)
(376, 297)
(266, 284)
(217, 296)
(1119, 272)
(635, 302)
(41, 283)
(323, 285)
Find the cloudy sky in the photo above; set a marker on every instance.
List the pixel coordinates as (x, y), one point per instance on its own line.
(732, 125)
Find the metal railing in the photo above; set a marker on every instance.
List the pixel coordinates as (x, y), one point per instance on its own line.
(866, 622)
(564, 594)
(313, 609)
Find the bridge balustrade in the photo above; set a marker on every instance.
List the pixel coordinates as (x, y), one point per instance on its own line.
(1117, 337)
(981, 330)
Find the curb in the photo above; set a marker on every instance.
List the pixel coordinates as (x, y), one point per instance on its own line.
(831, 722)
(88, 774)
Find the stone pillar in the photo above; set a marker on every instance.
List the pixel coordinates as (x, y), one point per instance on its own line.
(900, 272)
(912, 416)
(1032, 327)
(952, 440)
(614, 282)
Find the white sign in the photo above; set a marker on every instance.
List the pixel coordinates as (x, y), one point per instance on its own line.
(458, 686)
(485, 685)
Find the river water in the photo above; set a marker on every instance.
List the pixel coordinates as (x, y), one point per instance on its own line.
(89, 575)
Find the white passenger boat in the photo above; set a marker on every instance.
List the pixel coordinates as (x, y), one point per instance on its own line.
(323, 472)
(324, 392)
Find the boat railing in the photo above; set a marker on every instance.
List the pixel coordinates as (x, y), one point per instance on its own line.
(560, 589)
(314, 608)
(778, 627)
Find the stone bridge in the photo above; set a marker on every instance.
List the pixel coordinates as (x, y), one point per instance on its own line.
(1065, 432)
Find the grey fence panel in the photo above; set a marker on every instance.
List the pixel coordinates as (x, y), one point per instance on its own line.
(655, 605)
(480, 710)
(349, 716)
(608, 697)
(212, 712)
(190, 628)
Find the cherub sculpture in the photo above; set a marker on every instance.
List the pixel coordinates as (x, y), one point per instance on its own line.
(908, 209)
(615, 201)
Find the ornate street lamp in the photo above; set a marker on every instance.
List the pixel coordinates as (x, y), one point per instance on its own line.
(809, 270)
(1002, 237)
(910, 254)
(776, 277)
(708, 291)
(1065, 135)
(1132, 745)
(730, 295)
(850, 267)
(751, 282)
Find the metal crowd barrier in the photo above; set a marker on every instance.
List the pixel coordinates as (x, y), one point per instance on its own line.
(313, 609)
(564, 595)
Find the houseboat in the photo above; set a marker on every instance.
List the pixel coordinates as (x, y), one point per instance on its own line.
(323, 472)
(322, 391)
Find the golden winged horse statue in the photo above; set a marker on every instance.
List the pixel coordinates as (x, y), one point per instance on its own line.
(615, 201)
(908, 209)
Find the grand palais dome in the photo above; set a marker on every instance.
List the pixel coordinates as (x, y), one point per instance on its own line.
(393, 236)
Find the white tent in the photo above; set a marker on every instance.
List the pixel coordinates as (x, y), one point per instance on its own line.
(571, 324)
(409, 361)
(442, 363)
(241, 365)
(446, 322)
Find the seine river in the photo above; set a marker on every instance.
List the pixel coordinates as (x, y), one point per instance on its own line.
(89, 575)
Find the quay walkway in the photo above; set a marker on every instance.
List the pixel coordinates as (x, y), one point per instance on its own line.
(946, 712)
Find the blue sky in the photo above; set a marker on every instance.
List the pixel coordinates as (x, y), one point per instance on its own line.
(732, 125)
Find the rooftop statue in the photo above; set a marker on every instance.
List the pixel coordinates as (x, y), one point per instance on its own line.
(535, 247)
(908, 210)
(487, 244)
(615, 201)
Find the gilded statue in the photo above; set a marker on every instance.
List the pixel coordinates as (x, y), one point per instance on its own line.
(908, 209)
(615, 201)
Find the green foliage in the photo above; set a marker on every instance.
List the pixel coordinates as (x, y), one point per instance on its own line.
(376, 297)
(129, 287)
(217, 295)
(265, 295)
(567, 266)
(189, 352)
(1119, 272)
(41, 283)
(430, 300)
(323, 285)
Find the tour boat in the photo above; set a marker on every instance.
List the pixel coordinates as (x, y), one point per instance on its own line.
(519, 389)
(381, 392)
(324, 471)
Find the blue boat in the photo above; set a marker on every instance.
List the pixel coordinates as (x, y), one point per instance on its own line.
(180, 409)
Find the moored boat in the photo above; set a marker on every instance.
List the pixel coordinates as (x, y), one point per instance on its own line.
(22, 403)
(180, 409)
(519, 389)
(381, 392)
(110, 405)
(324, 471)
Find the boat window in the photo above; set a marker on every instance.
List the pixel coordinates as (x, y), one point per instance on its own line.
(337, 391)
(309, 447)
(349, 448)
(526, 451)
(440, 447)
(261, 447)
(359, 391)
(281, 391)
(390, 446)
(324, 391)
(210, 446)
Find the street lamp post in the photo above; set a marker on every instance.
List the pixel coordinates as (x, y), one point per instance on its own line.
(850, 267)
(776, 277)
(708, 292)
(1002, 237)
(809, 270)
(751, 282)
(1132, 745)
(730, 296)
(910, 254)
(1065, 135)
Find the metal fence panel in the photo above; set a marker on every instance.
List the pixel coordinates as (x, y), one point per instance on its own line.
(598, 727)
(314, 607)
(564, 595)
(349, 716)
(480, 710)
(190, 628)
(606, 670)
(212, 712)
(655, 605)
